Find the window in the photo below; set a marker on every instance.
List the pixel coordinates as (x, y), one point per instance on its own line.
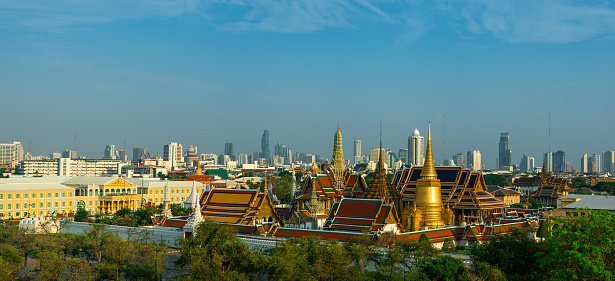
(48, 212)
(33, 195)
(25, 196)
(1, 206)
(48, 204)
(151, 191)
(42, 195)
(56, 195)
(156, 200)
(17, 195)
(70, 203)
(1, 196)
(63, 203)
(49, 195)
(156, 192)
(56, 204)
(16, 206)
(41, 205)
(172, 191)
(25, 205)
(9, 196)
(8, 206)
(63, 194)
(70, 194)
(90, 202)
(172, 199)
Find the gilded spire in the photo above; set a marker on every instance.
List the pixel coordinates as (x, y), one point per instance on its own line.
(379, 187)
(338, 151)
(429, 170)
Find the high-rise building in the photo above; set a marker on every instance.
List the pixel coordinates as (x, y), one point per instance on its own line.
(458, 159)
(548, 161)
(415, 149)
(357, 148)
(254, 157)
(110, 152)
(559, 161)
(192, 155)
(608, 161)
(474, 160)
(505, 154)
(55, 155)
(265, 145)
(11, 153)
(596, 163)
(527, 164)
(283, 151)
(242, 159)
(140, 152)
(122, 155)
(229, 150)
(374, 154)
(70, 154)
(173, 154)
(403, 155)
(584, 164)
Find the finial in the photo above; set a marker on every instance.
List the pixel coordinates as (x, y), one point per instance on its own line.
(429, 170)
(338, 126)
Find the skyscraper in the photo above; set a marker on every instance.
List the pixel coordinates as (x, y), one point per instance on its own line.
(415, 149)
(265, 145)
(527, 164)
(474, 160)
(191, 156)
(596, 163)
(283, 151)
(608, 161)
(173, 154)
(584, 164)
(70, 154)
(559, 161)
(548, 161)
(139, 152)
(505, 154)
(229, 150)
(458, 159)
(357, 148)
(110, 152)
(403, 155)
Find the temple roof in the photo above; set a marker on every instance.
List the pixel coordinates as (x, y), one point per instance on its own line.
(359, 215)
(238, 206)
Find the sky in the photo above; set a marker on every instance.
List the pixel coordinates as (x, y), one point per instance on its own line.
(203, 73)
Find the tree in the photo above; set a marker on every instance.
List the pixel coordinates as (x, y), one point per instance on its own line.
(82, 214)
(581, 248)
(509, 252)
(493, 179)
(178, 209)
(216, 253)
(543, 230)
(578, 183)
(444, 268)
(449, 245)
(9, 261)
(282, 187)
(123, 212)
(144, 214)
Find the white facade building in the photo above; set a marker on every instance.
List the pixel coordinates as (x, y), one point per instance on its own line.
(415, 149)
(11, 153)
(173, 154)
(474, 160)
(608, 164)
(70, 167)
(584, 161)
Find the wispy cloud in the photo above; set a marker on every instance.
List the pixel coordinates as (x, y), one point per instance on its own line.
(513, 21)
(528, 21)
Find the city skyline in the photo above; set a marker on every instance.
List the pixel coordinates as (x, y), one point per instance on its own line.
(112, 72)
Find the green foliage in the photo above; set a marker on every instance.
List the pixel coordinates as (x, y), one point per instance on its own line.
(494, 179)
(423, 238)
(578, 183)
(448, 245)
(282, 187)
(216, 253)
(605, 186)
(315, 259)
(247, 175)
(81, 215)
(519, 205)
(298, 177)
(509, 253)
(444, 268)
(485, 271)
(543, 230)
(123, 212)
(581, 248)
(178, 209)
(144, 214)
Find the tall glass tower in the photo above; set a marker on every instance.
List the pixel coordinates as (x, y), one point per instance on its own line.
(265, 145)
(505, 154)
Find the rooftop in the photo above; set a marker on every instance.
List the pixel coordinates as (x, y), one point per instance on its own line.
(33, 186)
(593, 202)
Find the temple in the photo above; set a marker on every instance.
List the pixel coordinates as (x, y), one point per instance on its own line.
(544, 187)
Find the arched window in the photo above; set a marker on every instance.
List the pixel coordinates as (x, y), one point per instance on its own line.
(90, 192)
(123, 190)
(107, 191)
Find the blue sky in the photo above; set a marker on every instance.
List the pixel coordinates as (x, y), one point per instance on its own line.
(208, 72)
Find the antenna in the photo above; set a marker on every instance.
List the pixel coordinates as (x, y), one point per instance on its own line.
(443, 137)
(75, 142)
(549, 132)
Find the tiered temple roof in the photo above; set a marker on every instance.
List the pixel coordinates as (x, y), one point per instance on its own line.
(238, 206)
(362, 215)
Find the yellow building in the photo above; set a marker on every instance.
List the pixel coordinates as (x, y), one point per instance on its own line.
(43, 196)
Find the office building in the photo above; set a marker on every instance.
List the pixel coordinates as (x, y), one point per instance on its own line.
(459, 159)
(357, 148)
(265, 145)
(253, 158)
(242, 159)
(140, 152)
(173, 154)
(11, 153)
(403, 155)
(548, 161)
(55, 155)
(596, 163)
(70, 154)
(474, 161)
(191, 156)
(505, 155)
(527, 164)
(559, 161)
(283, 151)
(584, 162)
(229, 149)
(608, 162)
(415, 149)
(374, 154)
(110, 152)
(122, 155)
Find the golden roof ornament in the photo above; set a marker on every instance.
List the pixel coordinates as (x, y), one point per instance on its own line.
(429, 170)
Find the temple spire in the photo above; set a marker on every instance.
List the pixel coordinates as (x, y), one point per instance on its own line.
(429, 170)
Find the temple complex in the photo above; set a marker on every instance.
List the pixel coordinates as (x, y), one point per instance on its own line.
(544, 187)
